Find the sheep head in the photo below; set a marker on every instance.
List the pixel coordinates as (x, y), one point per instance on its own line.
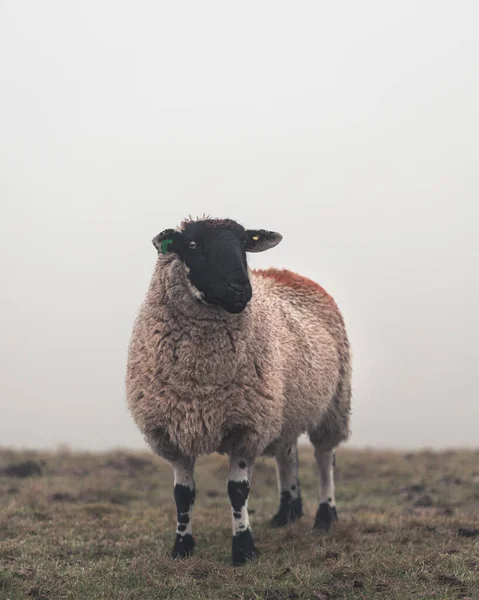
(213, 252)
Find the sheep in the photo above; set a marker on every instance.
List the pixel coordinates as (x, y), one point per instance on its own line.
(225, 359)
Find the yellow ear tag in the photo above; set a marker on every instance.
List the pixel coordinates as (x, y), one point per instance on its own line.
(256, 238)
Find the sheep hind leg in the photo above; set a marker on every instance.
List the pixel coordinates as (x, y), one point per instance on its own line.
(290, 504)
(243, 547)
(327, 512)
(184, 492)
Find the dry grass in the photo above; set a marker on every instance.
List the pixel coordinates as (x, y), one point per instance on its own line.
(99, 526)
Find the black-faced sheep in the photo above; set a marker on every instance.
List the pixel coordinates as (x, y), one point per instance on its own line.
(227, 360)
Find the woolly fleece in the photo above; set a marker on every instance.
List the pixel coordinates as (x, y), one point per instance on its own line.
(200, 379)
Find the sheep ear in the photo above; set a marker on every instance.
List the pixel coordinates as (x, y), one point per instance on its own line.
(260, 240)
(167, 241)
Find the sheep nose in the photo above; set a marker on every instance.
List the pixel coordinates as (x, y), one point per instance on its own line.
(242, 288)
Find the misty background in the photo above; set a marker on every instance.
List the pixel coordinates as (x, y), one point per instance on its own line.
(351, 128)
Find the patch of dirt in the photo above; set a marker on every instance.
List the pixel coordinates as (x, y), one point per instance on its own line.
(414, 487)
(449, 580)
(424, 501)
(27, 468)
(62, 497)
(467, 531)
(37, 594)
(452, 580)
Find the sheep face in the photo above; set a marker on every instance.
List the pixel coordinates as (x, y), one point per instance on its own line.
(214, 254)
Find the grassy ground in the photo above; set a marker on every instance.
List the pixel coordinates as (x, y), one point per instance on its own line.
(100, 526)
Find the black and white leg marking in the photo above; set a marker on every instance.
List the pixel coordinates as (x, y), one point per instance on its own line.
(327, 512)
(184, 491)
(290, 506)
(243, 547)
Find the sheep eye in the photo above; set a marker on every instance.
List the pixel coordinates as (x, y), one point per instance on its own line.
(192, 245)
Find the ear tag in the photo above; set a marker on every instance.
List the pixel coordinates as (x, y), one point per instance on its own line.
(165, 244)
(256, 238)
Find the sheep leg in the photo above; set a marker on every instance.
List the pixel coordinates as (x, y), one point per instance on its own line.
(184, 492)
(243, 548)
(290, 505)
(326, 513)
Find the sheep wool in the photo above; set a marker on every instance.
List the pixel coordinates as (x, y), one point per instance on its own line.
(203, 380)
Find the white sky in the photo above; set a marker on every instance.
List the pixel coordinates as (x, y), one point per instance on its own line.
(350, 127)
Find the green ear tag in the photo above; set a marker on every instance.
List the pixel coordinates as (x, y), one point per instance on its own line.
(165, 244)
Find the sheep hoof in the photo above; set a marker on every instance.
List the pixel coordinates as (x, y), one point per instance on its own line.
(184, 546)
(324, 517)
(243, 548)
(288, 512)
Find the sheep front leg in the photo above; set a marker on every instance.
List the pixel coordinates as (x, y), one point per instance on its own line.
(184, 492)
(243, 547)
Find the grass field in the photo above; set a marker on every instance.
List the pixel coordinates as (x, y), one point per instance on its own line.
(100, 526)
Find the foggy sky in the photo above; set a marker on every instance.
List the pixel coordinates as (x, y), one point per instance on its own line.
(352, 128)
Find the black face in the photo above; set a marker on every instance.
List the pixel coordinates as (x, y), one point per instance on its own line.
(216, 260)
(214, 254)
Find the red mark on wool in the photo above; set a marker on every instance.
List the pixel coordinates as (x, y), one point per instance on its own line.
(294, 281)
